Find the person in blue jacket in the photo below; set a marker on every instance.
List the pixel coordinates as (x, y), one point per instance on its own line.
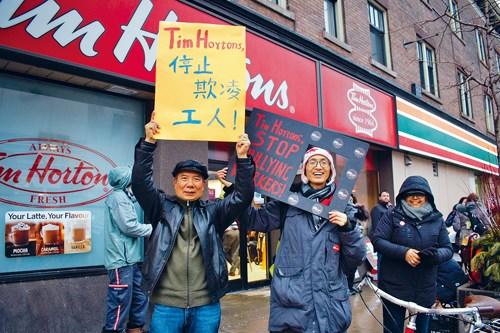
(126, 303)
(309, 291)
(413, 241)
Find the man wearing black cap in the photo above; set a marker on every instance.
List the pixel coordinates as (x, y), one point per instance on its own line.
(185, 270)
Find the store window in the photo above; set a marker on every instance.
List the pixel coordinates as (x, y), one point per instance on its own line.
(490, 119)
(57, 144)
(379, 34)
(427, 68)
(281, 3)
(455, 18)
(481, 51)
(255, 251)
(465, 96)
(334, 25)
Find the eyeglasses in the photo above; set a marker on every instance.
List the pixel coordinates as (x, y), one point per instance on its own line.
(314, 163)
(416, 195)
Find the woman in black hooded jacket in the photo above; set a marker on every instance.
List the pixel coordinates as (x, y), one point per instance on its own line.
(413, 241)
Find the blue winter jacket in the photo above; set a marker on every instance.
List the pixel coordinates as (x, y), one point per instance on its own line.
(122, 235)
(396, 233)
(309, 288)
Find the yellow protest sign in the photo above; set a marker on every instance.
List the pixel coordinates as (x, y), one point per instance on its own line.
(200, 81)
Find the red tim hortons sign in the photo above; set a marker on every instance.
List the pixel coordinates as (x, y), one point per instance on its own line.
(120, 37)
(354, 108)
(277, 148)
(47, 173)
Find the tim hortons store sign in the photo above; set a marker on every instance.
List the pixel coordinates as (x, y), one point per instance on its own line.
(356, 109)
(47, 173)
(120, 37)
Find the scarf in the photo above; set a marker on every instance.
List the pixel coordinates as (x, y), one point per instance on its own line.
(416, 213)
(317, 195)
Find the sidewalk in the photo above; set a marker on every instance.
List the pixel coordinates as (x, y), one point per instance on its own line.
(248, 312)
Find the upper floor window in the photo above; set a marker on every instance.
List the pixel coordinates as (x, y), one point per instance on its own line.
(497, 56)
(488, 109)
(455, 18)
(333, 18)
(379, 35)
(465, 97)
(281, 3)
(427, 68)
(481, 51)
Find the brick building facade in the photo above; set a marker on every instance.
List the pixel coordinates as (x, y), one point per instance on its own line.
(408, 21)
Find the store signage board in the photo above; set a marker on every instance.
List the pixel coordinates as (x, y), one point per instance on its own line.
(200, 82)
(52, 173)
(120, 37)
(278, 145)
(357, 109)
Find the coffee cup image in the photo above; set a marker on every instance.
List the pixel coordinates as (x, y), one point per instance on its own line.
(78, 231)
(50, 234)
(20, 234)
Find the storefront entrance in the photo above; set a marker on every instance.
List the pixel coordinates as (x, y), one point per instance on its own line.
(248, 252)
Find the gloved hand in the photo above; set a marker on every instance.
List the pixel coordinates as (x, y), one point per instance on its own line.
(429, 256)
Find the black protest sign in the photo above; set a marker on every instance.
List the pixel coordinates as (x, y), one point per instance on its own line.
(278, 146)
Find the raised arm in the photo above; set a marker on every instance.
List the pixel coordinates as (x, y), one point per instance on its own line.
(148, 196)
(238, 201)
(267, 218)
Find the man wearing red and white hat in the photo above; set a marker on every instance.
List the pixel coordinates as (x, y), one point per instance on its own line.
(309, 291)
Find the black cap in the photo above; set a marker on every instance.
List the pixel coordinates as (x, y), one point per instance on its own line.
(190, 165)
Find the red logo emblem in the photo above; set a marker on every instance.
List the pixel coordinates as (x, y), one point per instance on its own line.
(336, 247)
(363, 106)
(46, 173)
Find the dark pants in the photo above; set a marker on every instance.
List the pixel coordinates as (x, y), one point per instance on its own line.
(396, 325)
(126, 303)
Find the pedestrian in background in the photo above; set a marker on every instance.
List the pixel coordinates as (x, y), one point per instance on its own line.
(383, 204)
(126, 303)
(480, 220)
(413, 241)
(231, 244)
(458, 220)
(360, 215)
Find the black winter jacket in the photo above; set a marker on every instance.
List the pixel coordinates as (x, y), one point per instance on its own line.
(210, 219)
(396, 233)
(376, 214)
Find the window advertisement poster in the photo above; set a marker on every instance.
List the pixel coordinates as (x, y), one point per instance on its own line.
(55, 155)
(39, 233)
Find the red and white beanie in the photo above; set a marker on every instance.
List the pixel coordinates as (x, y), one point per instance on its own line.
(318, 151)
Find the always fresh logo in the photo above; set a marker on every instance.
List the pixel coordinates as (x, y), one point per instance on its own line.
(46, 173)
